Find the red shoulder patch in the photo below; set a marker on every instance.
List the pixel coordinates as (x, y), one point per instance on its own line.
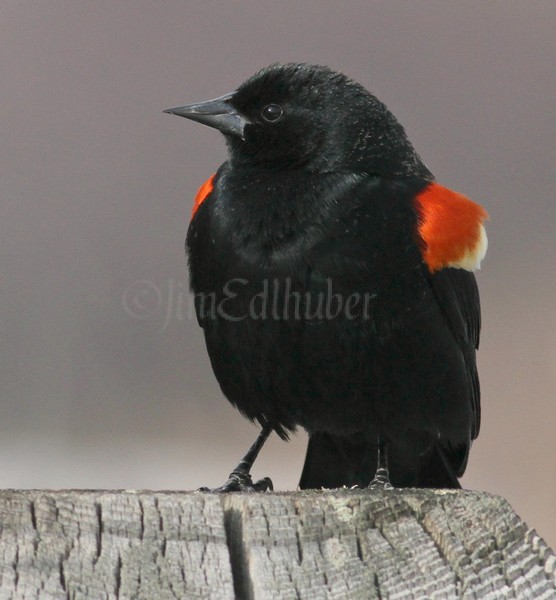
(202, 194)
(451, 227)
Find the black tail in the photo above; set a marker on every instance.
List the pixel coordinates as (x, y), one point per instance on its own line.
(334, 461)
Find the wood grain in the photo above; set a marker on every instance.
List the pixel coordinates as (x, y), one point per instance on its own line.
(320, 544)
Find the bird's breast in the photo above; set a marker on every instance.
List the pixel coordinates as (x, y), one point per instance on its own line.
(274, 218)
(321, 237)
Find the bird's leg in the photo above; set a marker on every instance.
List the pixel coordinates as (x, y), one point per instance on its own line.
(240, 478)
(381, 480)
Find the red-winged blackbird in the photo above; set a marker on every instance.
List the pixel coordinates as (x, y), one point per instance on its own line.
(333, 280)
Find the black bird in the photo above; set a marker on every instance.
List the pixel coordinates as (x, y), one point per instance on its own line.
(333, 280)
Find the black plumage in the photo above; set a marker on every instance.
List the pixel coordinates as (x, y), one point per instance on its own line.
(314, 210)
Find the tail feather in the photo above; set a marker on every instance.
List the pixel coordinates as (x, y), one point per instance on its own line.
(334, 461)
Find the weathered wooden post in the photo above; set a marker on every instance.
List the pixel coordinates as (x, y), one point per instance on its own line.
(321, 544)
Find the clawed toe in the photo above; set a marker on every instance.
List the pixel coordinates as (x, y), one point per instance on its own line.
(240, 478)
(379, 483)
(239, 481)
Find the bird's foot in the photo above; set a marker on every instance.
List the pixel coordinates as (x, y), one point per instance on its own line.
(240, 481)
(381, 481)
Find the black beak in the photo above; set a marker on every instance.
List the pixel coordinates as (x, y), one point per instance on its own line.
(217, 113)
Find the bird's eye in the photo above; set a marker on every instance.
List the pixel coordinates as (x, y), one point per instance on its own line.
(272, 113)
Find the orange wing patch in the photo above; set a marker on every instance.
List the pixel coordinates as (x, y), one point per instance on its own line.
(451, 227)
(202, 194)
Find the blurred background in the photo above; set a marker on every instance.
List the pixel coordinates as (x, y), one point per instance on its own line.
(105, 378)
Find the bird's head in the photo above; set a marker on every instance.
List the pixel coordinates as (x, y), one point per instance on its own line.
(291, 116)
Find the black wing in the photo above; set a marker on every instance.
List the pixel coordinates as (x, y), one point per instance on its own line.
(458, 297)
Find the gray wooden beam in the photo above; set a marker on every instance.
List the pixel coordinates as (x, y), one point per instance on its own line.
(321, 544)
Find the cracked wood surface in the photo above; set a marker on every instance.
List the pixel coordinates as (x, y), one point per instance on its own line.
(320, 544)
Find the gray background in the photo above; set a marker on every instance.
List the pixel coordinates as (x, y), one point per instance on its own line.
(100, 388)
